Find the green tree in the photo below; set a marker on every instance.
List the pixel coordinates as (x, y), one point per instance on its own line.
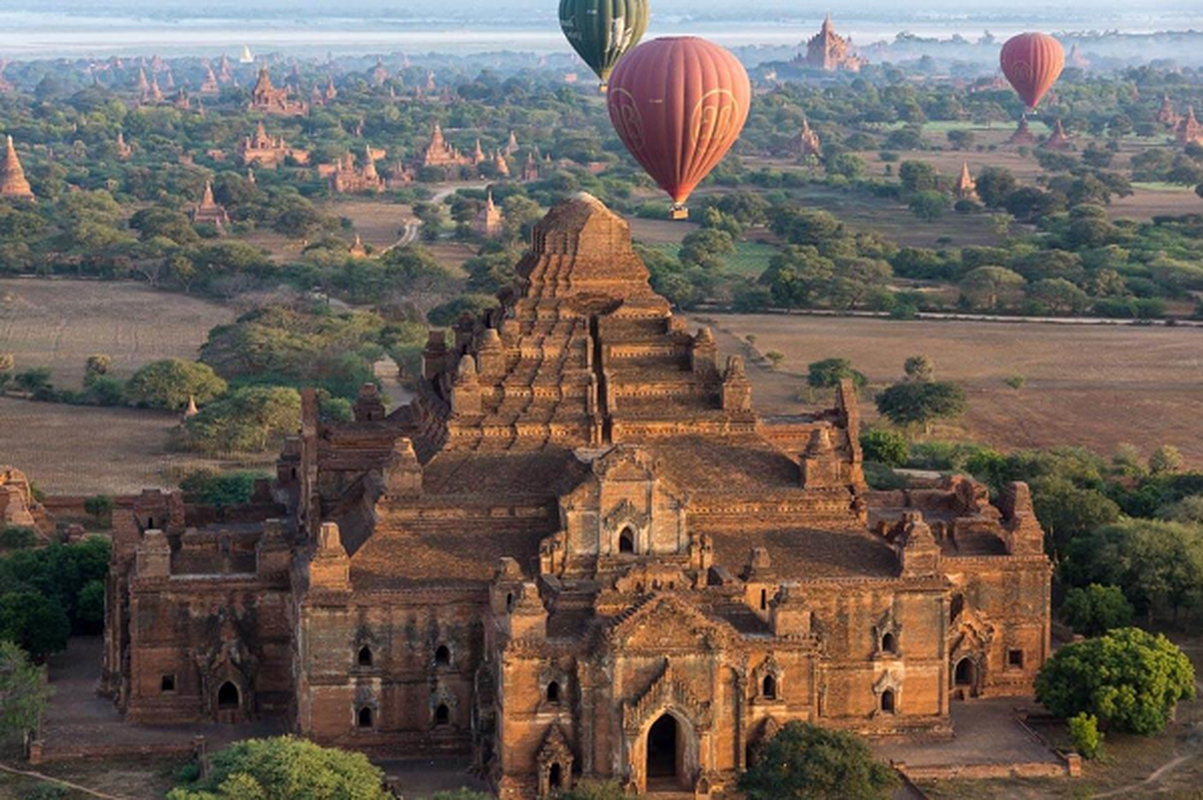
(7, 363)
(991, 287)
(89, 606)
(219, 488)
(921, 403)
(34, 621)
(170, 382)
(99, 506)
(827, 373)
(285, 768)
(1059, 296)
(1068, 511)
(96, 366)
(1130, 679)
(1154, 562)
(23, 693)
(706, 247)
(248, 420)
(590, 789)
(994, 184)
(929, 205)
(521, 214)
(917, 176)
(1096, 609)
(885, 446)
(16, 537)
(797, 276)
(34, 381)
(810, 762)
(1084, 730)
(1166, 459)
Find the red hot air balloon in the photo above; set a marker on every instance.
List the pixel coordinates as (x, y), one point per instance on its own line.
(678, 104)
(1032, 62)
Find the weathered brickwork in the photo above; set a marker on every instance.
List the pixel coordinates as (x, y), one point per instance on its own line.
(579, 552)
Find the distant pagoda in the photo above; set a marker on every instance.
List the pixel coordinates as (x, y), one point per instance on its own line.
(1058, 139)
(807, 143)
(268, 99)
(489, 221)
(966, 188)
(1167, 115)
(209, 212)
(1189, 129)
(13, 183)
(1022, 135)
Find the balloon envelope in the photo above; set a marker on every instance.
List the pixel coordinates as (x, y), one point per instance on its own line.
(678, 104)
(1032, 62)
(602, 30)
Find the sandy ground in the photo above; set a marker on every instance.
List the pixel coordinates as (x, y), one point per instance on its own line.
(1094, 386)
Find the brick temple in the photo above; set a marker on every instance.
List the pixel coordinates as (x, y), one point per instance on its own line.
(579, 552)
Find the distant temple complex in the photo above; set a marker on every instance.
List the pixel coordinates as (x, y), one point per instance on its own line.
(1189, 130)
(13, 183)
(829, 51)
(261, 150)
(268, 99)
(580, 552)
(439, 153)
(209, 212)
(346, 177)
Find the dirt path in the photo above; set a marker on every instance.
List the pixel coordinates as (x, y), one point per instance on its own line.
(1155, 776)
(58, 782)
(413, 225)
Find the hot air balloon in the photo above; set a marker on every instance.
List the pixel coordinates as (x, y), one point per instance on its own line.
(678, 104)
(602, 30)
(1032, 62)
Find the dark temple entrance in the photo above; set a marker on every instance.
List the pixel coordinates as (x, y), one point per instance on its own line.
(662, 752)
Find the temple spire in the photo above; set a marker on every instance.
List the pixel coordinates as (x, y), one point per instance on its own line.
(12, 179)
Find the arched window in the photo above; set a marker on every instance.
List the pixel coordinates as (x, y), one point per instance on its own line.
(764, 599)
(442, 656)
(555, 778)
(626, 541)
(442, 714)
(364, 718)
(770, 687)
(888, 643)
(887, 701)
(509, 601)
(365, 656)
(963, 675)
(553, 692)
(227, 696)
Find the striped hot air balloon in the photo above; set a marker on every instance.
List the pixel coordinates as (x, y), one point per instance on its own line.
(602, 30)
(678, 104)
(1032, 63)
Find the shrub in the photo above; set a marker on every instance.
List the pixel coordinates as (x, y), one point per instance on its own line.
(1016, 382)
(1096, 609)
(170, 382)
(775, 357)
(829, 372)
(219, 489)
(886, 447)
(15, 537)
(1084, 730)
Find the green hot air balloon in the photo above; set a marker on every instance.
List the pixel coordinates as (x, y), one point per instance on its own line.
(602, 30)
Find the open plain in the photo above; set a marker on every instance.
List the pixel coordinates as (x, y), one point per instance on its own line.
(1095, 386)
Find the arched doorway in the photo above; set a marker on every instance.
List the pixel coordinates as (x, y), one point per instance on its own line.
(555, 778)
(626, 540)
(663, 753)
(964, 677)
(229, 703)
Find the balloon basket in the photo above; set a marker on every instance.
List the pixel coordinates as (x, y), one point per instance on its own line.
(678, 212)
(603, 87)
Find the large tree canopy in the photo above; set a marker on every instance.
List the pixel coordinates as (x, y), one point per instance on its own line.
(809, 762)
(286, 768)
(1128, 678)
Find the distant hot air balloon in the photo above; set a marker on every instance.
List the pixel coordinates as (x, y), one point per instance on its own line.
(678, 104)
(602, 30)
(1032, 62)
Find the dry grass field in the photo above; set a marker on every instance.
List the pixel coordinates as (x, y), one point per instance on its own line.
(1091, 385)
(59, 323)
(377, 222)
(87, 450)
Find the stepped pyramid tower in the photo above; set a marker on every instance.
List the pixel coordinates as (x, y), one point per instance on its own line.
(1058, 139)
(1022, 134)
(582, 538)
(12, 177)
